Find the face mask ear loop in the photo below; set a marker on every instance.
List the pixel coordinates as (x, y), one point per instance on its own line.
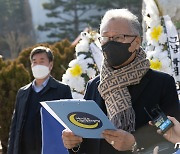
(133, 40)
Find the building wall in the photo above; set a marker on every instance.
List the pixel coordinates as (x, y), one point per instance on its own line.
(39, 18)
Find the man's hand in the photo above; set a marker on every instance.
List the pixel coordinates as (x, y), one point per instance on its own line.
(70, 140)
(119, 139)
(173, 134)
(155, 151)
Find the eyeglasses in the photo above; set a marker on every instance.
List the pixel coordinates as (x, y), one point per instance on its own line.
(116, 38)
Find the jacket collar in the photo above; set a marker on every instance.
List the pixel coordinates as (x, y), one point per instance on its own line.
(27, 89)
(52, 83)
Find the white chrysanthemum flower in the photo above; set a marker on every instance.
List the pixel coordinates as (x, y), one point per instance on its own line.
(81, 57)
(164, 54)
(163, 38)
(159, 48)
(156, 35)
(150, 41)
(89, 61)
(166, 62)
(76, 95)
(91, 73)
(73, 62)
(68, 73)
(166, 65)
(82, 46)
(149, 54)
(84, 65)
(153, 22)
(85, 36)
(161, 64)
(153, 43)
(70, 83)
(149, 48)
(65, 79)
(78, 83)
(160, 56)
(81, 62)
(148, 35)
(156, 54)
(167, 70)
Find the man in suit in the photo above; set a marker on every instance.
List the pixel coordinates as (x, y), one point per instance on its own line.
(25, 131)
(125, 88)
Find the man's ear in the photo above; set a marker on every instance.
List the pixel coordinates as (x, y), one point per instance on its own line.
(138, 42)
(51, 66)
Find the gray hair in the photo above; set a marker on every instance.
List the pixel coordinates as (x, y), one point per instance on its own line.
(124, 14)
(42, 49)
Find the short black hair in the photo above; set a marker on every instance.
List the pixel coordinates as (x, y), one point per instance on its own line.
(42, 49)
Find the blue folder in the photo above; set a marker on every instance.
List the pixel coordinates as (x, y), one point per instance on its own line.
(83, 117)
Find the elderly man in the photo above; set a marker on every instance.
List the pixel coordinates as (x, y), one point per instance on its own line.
(125, 88)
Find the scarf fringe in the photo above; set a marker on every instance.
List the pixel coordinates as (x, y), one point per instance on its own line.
(125, 120)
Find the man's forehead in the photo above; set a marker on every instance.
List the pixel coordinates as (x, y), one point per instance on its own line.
(116, 25)
(40, 55)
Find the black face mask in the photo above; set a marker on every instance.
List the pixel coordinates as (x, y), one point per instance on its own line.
(116, 53)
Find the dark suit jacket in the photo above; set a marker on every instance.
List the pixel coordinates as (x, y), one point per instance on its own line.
(154, 88)
(54, 91)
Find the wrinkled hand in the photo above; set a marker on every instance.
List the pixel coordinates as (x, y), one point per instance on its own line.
(122, 140)
(69, 139)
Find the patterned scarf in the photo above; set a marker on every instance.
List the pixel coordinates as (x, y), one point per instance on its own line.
(113, 89)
